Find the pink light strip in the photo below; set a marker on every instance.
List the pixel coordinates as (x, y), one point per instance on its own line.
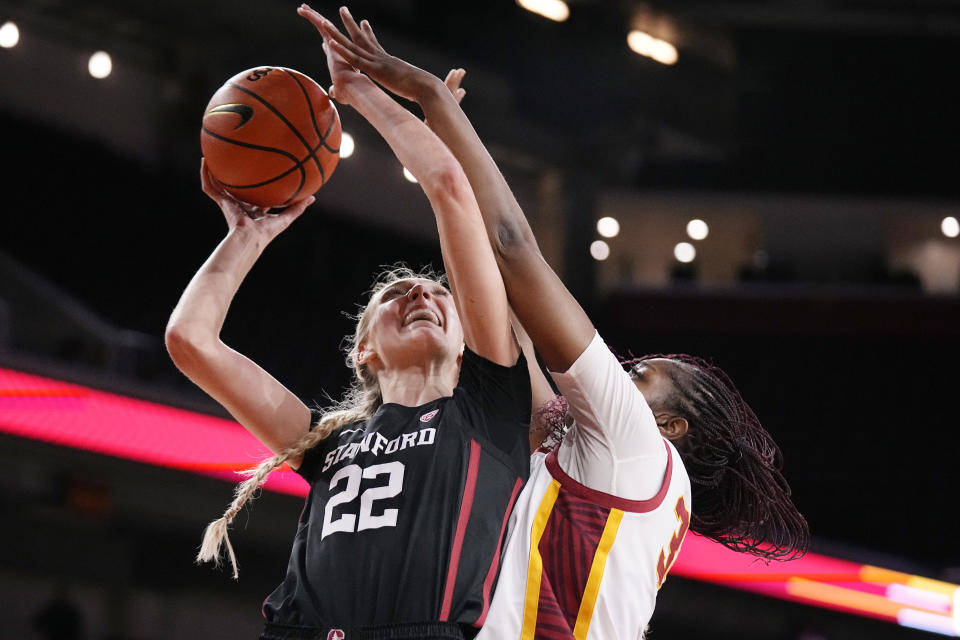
(75, 416)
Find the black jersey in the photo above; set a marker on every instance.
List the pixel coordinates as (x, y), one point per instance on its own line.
(407, 510)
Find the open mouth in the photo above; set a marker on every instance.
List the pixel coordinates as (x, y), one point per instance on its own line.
(421, 314)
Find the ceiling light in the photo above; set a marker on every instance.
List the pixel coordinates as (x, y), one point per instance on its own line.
(646, 45)
(100, 65)
(555, 10)
(950, 227)
(347, 145)
(600, 250)
(663, 52)
(608, 227)
(684, 252)
(9, 35)
(697, 229)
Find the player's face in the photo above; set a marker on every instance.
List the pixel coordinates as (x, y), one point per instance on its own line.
(415, 321)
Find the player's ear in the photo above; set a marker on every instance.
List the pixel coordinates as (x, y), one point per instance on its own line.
(672, 427)
(365, 355)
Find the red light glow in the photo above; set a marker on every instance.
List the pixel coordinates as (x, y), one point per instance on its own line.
(75, 416)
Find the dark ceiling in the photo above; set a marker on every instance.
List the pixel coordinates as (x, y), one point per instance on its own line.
(825, 96)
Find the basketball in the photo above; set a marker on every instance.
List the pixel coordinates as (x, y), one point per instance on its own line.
(271, 136)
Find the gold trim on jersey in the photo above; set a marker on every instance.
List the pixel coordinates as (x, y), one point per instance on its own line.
(535, 568)
(592, 589)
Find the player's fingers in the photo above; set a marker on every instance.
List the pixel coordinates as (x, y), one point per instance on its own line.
(208, 183)
(350, 24)
(328, 31)
(293, 211)
(332, 34)
(310, 15)
(454, 78)
(452, 82)
(204, 180)
(370, 35)
(459, 94)
(345, 56)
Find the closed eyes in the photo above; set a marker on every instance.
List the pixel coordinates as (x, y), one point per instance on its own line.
(404, 288)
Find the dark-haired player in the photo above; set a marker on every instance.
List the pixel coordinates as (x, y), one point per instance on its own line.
(669, 446)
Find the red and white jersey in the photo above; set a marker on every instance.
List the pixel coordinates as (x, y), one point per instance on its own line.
(600, 521)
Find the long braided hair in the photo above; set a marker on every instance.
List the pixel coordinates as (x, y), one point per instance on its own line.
(359, 402)
(740, 496)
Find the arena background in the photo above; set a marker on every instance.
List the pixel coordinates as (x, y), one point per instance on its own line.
(818, 140)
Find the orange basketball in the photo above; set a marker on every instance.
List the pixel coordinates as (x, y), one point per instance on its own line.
(271, 136)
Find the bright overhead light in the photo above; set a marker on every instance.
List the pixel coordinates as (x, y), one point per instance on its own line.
(600, 250)
(697, 229)
(640, 42)
(409, 176)
(663, 52)
(9, 35)
(555, 10)
(347, 145)
(646, 45)
(684, 252)
(100, 65)
(950, 227)
(608, 227)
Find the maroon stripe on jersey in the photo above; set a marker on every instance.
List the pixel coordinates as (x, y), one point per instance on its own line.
(492, 571)
(567, 547)
(608, 500)
(466, 504)
(552, 624)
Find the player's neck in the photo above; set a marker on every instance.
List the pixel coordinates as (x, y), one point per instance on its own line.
(414, 386)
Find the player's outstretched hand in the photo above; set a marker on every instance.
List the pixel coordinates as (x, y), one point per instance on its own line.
(344, 75)
(363, 51)
(240, 213)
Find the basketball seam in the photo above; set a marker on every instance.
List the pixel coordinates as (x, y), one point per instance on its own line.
(297, 164)
(316, 128)
(296, 132)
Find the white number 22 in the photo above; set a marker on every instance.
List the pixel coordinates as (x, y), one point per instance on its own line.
(353, 474)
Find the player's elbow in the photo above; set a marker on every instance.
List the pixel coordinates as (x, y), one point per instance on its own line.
(513, 242)
(446, 182)
(188, 347)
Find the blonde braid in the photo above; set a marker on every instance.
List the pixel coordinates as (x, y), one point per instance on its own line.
(215, 536)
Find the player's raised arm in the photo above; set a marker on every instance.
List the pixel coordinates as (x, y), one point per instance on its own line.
(561, 335)
(255, 398)
(471, 267)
